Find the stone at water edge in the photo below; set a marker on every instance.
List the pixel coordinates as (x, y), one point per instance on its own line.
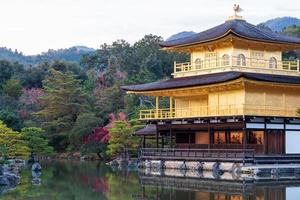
(1, 170)
(10, 180)
(36, 167)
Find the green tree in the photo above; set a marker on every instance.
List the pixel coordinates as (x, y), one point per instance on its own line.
(36, 141)
(12, 88)
(122, 137)
(11, 118)
(83, 126)
(8, 70)
(13, 142)
(63, 103)
(293, 30)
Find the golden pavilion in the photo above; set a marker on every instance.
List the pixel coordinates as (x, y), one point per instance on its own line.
(236, 93)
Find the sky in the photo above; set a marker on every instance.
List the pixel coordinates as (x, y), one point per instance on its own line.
(34, 26)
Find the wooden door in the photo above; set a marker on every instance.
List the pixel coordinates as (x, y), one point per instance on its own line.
(275, 142)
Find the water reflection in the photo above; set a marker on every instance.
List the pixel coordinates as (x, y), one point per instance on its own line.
(85, 181)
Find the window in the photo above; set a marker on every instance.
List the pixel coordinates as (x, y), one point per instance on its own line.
(225, 60)
(236, 137)
(257, 54)
(255, 137)
(272, 63)
(219, 137)
(198, 63)
(241, 60)
(202, 138)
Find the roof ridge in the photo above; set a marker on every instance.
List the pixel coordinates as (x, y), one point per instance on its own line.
(240, 27)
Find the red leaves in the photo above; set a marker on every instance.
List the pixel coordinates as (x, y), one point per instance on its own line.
(100, 135)
(113, 118)
(32, 96)
(98, 184)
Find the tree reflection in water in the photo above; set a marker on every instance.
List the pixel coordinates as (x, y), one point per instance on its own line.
(90, 181)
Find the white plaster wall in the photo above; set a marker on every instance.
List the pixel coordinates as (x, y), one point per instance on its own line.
(292, 142)
(292, 193)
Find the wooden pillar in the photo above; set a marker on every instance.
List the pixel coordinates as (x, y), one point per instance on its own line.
(156, 106)
(162, 141)
(244, 135)
(265, 137)
(209, 136)
(171, 107)
(171, 136)
(144, 142)
(284, 137)
(156, 138)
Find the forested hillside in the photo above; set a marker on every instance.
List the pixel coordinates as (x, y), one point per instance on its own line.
(72, 101)
(72, 54)
(279, 23)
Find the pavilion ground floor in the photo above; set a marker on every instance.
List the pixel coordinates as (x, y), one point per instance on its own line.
(262, 135)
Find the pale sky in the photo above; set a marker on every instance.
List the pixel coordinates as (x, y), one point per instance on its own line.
(34, 26)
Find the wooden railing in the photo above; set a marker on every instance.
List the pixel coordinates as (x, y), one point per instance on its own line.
(208, 111)
(234, 63)
(246, 155)
(258, 148)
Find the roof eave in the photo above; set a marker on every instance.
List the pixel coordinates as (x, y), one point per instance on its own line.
(172, 47)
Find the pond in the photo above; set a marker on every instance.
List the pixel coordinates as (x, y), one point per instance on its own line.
(89, 181)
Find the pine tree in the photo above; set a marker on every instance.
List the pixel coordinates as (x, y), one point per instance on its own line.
(37, 141)
(63, 102)
(122, 138)
(13, 142)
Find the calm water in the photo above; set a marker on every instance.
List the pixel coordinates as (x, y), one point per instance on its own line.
(85, 181)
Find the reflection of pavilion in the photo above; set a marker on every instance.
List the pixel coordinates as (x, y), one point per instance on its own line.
(178, 188)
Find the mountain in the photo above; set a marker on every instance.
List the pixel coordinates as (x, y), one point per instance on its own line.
(279, 23)
(276, 25)
(72, 54)
(180, 35)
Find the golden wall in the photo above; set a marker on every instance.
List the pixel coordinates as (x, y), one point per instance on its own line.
(266, 100)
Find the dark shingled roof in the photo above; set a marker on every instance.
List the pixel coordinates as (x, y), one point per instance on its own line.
(237, 27)
(150, 129)
(207, 79)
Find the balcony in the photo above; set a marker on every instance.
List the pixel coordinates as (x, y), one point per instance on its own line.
(232, 63)
(216, 111)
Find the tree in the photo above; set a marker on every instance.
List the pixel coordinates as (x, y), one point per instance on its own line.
(11, 118)
(63, 103)
(30, 102)
(123, 138)
(108, 100)
(293, 30)
(12, 88)
(34, 76)
(9, 69)
(96, 142)
(13, 142)
(36, 141)
(84, 125)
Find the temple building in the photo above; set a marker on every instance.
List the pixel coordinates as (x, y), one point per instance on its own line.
(237, 92)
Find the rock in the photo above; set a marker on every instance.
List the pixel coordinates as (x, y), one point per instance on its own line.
(217, 172)
(36, 181)
(1, 170)
(114, 163)
(124, 163)
(10, 180)
(36, 174)
(36, 167)
(20, 162)
(183, 166)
